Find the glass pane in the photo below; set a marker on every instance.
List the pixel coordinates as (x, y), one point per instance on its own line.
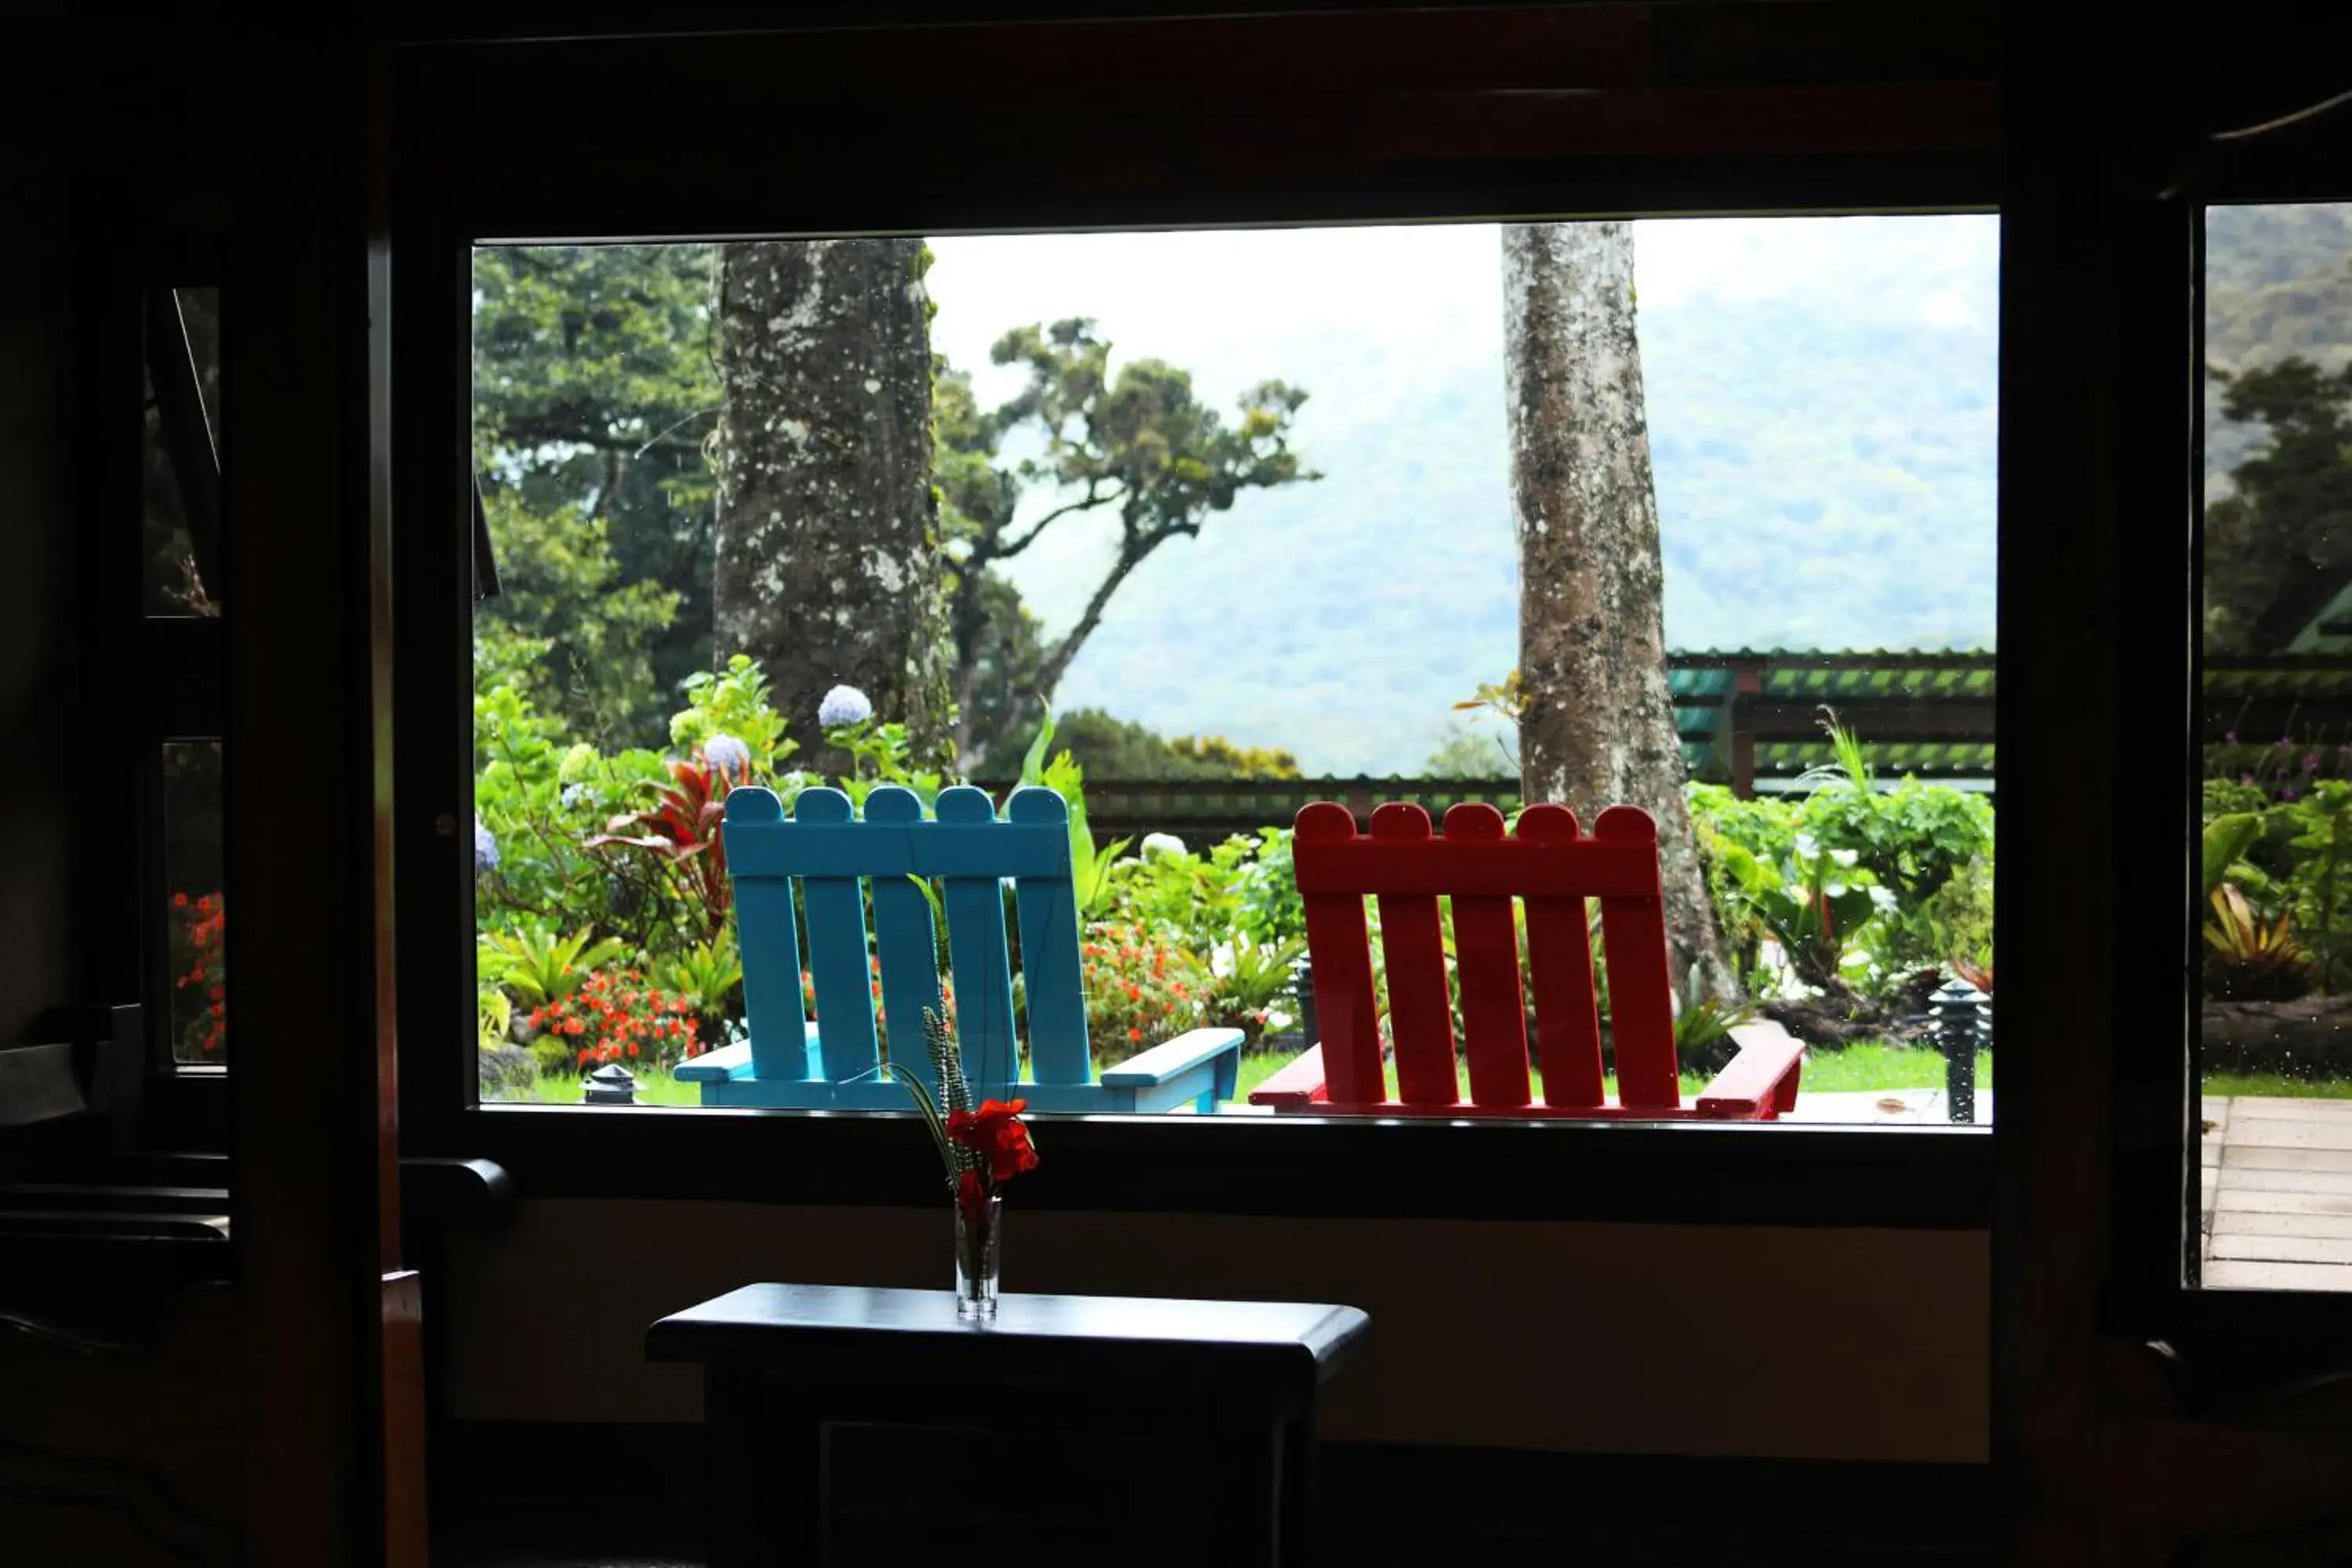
(173, 586)
(193, 921)
(2276, 713)
(1259, 518)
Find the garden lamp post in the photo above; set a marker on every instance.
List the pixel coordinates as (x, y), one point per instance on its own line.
(611, 1084)
(1961, 1026)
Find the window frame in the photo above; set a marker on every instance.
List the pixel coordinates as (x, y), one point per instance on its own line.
(2155, 1158)
(177, 666)
(459, 179)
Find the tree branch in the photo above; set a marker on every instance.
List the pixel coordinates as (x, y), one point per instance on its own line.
(1087, 502)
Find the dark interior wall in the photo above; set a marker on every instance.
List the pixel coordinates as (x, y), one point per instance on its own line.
(1768, 1342)
(38, 797)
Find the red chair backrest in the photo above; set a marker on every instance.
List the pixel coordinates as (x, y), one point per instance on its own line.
(1549, 864)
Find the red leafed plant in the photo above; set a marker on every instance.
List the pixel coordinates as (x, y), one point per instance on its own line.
(682, 830)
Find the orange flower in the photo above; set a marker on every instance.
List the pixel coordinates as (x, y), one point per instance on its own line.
(179, 901)
(1135, 1033)
(996, 1133)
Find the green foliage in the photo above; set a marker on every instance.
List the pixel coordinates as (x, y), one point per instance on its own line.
(1230, 920)
(709, 975)
(1702, 1022)
(542, 969)
(1110, 748)
(877, 755)
(594, 389)
(1090, 867)
(2225, 841)
(1852, 887)
(2322, 879)
(1742, 844)
(493, 1012)
(561, 586)
(1960, 915)
(732, 702)
(1911, 840)
(2280, 541)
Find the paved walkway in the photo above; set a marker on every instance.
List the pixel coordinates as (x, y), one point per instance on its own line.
(2278, 1194)
(1884, 1107)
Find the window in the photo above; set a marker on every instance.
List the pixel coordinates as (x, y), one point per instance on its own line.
(1236, 510)
(2275, 1193)
(186, 983)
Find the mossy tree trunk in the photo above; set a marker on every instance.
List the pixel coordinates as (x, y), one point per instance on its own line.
(1598, 727)
(827, 550)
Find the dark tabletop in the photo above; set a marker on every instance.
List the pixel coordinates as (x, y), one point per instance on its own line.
(850, 1332)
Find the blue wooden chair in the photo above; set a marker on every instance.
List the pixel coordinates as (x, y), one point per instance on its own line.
(835, 1062)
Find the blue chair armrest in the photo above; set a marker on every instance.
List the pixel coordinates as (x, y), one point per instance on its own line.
(1172, 1059)
(715, 1067)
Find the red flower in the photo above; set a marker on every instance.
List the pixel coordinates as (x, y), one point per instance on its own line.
(1135, 1033)
(179, 901)
(996, 1132)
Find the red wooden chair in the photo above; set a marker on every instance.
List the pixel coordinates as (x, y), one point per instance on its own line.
(1552, 865)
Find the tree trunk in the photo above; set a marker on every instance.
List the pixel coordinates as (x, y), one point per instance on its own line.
(828, 567)
(1598, 728)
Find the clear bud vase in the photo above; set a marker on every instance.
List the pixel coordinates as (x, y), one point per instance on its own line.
(979, 1237)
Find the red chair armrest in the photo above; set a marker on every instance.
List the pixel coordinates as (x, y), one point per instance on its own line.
(1760, 1082)
(1300, 1082)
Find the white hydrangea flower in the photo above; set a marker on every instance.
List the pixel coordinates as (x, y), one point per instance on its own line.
(577, 762)
(844, 705)
(727, 753)
(1163, 844)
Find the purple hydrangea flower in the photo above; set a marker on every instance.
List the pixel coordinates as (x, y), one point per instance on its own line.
(727, 753)
(486, 846)
(2231, 739)
(2311, 762)
(844, 705)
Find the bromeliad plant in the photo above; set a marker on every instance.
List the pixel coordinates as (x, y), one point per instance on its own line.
(2253, 960)
(982, 1147)
(682, 827)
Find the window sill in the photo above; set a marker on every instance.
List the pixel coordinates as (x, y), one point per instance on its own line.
(1676, 1173)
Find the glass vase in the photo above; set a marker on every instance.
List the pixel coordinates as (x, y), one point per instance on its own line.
(979, 1238)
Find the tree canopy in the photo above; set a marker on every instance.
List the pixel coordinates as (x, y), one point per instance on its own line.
(2278, 547)
(596, 397)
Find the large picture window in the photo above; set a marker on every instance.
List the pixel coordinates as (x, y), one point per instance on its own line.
(1198, 528)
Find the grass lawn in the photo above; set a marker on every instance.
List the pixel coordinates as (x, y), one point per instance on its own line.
(1857, 1068)
(2277, 1085)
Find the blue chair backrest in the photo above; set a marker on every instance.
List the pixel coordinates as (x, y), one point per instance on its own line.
(969, 852)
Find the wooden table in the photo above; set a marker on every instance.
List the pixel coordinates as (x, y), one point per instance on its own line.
(787, 1366)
